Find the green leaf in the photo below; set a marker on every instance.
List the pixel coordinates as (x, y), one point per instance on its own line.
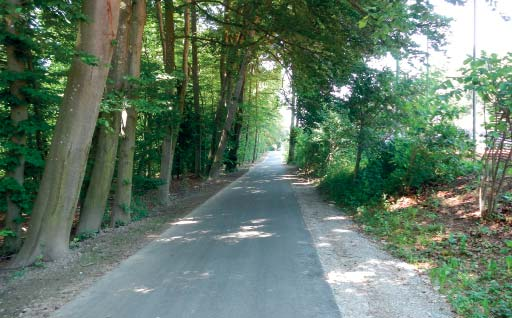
(363, 22)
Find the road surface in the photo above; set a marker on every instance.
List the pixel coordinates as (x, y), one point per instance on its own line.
(245, 253)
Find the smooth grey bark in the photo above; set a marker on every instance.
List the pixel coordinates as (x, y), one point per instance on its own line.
(256, 131)
(359, 151)
(293, 133)
(95, 202)
(225, 78)
(16, 64)
(55, 205)
(121, 210)
(160, 20)
(170, 140)
(168, 38)
(98, 190)
(255, 147)
(197, 94)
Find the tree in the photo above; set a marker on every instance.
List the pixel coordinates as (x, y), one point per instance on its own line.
(240, 60)
(123, 197)
(171, 136)
(197, 94)
(56, 201)
(98, 190)
(371, 108)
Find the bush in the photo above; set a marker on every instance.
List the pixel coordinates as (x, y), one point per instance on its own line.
(142, 184)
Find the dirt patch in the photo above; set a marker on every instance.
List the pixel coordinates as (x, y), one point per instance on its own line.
(366, 281)
(39, 290)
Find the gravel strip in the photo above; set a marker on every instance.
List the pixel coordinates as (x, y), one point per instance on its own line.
(366, 281)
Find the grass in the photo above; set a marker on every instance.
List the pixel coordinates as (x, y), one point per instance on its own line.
(472, 265)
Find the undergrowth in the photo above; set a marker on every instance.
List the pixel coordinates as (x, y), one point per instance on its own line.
(470, 267)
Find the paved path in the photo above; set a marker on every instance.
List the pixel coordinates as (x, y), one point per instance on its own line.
(244, 253)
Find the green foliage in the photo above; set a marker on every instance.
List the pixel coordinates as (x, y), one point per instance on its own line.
(139, 210)
(87, 58)
(142, 184)
(402, 143)
(17, 193)
(5, 233)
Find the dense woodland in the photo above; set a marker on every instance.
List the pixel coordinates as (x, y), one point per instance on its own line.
(102, 101)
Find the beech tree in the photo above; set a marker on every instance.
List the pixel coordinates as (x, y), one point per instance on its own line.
(95, 201)
(53, 212)
(171, 134)
(123, 197)
(168, 38)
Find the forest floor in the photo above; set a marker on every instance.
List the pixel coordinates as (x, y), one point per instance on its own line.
(39, 290)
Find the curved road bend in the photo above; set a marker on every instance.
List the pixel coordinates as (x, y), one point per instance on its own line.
(245, 253)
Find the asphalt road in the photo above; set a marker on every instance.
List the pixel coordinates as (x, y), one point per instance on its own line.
(245, 253)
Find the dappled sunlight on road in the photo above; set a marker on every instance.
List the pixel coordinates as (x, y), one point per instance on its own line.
(138, 289)
(246, 232)
(186, 221)
(187, 237)
(143, 290)
(194, 275)
(250, 227)
(258, 221)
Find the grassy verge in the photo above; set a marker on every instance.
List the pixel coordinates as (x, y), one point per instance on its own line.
(469, 260)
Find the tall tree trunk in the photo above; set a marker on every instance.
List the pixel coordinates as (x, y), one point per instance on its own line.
(161, 32)
(171, 140)
(98, 190)
(230, 116)
(235, 137)
(256, 131)
(197, 93)
(165, 168)
(248, 123)
(55, 205)
(16, 57)
(169, 37)
(255, 148)
(91, 213)
(123, 198)
(184, 66)
(168, 44)
(225, 78)
(233, 161)
(293, 133)
(359, 153)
